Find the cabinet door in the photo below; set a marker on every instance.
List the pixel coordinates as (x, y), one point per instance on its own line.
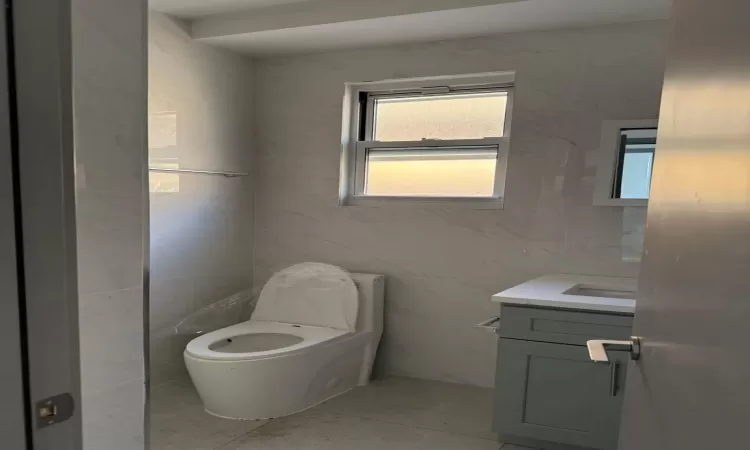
(554, 392)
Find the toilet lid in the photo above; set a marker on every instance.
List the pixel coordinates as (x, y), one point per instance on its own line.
(310, 294)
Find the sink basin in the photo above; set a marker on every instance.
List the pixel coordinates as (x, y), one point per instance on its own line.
(595, 291)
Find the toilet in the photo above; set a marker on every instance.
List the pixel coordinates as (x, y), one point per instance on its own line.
(313, 336)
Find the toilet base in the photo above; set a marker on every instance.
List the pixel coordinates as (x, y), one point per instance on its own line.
(280, 386)
(271, 418)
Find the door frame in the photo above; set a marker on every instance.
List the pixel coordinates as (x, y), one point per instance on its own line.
(14, 433)
(40, 92)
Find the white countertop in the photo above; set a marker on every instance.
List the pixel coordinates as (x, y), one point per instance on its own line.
(550, 291)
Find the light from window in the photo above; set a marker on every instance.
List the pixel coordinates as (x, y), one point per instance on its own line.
(163, 152)
(435, 142)
(456, 116)
(163, 182)
(431, 172)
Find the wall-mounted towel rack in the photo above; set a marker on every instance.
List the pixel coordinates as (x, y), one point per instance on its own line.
(200, 172)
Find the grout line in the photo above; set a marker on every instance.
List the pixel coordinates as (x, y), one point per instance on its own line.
(108, 389)
(340, 414)
(242, 435)
(405, 425)
(356, 417)
(110, 291)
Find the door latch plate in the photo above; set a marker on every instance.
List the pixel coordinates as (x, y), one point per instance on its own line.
(52, 410)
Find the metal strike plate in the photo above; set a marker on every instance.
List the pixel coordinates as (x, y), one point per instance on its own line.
(54, 410)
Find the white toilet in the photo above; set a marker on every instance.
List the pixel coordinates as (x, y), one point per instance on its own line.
(313, 335)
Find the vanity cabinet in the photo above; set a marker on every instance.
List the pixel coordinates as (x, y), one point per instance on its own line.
(548, 393)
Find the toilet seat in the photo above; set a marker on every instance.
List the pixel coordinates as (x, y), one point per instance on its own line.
(200, 347)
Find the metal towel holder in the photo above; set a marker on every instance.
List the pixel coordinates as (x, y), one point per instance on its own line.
(200, 172)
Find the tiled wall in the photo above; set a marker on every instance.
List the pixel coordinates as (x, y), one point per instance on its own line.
(443, 264)
(109, 43)
(200, 117)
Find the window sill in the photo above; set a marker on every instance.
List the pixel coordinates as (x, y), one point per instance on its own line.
(437, 202)
(623, 202)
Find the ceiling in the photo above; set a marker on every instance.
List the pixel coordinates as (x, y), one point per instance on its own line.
(188, 9)
(269, 27)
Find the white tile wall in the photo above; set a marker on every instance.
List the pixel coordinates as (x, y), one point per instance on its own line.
(443, 264)
(201, 117)
(110, 227)
(113, 420)
(111, 339)
(109, 39)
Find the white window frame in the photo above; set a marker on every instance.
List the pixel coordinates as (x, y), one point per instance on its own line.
(358, 123)
(609, 153)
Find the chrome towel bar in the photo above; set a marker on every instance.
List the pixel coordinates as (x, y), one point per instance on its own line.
(200, 172)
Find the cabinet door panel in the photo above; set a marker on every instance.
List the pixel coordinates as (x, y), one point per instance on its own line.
(553, 392)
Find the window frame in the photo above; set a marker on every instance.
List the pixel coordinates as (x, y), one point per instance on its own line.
(609, 161)
(621, 158)
(359, 119)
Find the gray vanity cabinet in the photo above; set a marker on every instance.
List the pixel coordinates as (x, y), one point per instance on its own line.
(548, 393)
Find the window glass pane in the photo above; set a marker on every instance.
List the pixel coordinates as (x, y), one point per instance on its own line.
(431, 172)
(451, 116)
(637, 163)
(636, 175)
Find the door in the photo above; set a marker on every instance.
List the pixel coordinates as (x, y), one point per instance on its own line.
(12, 389)
(37, 217)
(689, 390)
(555, 393)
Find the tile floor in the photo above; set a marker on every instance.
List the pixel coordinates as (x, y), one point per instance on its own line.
(396, 413)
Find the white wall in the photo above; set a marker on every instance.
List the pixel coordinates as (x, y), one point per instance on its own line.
(109, 43)
(200, 117)
(443, 265)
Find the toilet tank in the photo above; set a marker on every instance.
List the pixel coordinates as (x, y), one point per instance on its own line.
(371, 302)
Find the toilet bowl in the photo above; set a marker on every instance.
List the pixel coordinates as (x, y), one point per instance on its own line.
(313, 335)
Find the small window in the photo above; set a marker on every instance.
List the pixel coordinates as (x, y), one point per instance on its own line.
(445, 143)
(634, 163)
(626, 163)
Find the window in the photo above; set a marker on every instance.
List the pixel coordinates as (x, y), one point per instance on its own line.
(431, 139)
(626, 163)
(634, 164)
